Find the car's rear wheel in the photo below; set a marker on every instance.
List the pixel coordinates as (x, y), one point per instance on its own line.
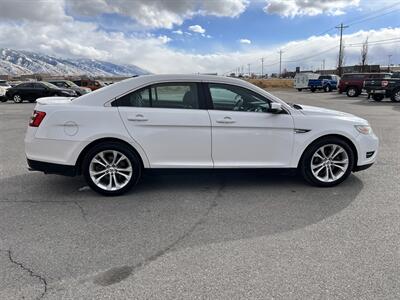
(327, 88)
(327, 162)
(111, 169)
(313, 89)
(395, 96)
(378, 97)
(17, 98)
(352, 92)
(299, 90)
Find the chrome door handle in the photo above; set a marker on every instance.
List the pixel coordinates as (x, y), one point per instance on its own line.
(138, 117)
(226, 120)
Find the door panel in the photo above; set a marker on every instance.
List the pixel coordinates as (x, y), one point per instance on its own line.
(175, 138)
(166, 121)
(251, 139)
(244, 133)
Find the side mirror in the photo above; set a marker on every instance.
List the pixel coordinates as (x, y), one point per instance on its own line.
(275, 108)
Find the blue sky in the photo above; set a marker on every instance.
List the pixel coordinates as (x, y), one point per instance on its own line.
(261, 28)
(201, 36)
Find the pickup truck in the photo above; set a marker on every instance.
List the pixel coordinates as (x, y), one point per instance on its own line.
(353, 83)
(326, 83)
(378, 89)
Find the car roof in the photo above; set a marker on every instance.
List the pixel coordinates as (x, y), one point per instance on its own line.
(110, 92)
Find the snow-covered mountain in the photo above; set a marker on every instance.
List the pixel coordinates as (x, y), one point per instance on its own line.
(19, 62)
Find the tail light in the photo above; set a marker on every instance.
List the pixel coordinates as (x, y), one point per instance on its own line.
(385, 82)
(37, 118)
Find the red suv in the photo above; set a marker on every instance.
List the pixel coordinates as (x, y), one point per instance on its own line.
(352, 83)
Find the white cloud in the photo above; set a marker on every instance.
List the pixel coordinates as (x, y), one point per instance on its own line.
(292, 8)
(180, 32)
(244, 41)
(37, 11)
(164, 39)
(63, 36)
(158, 13)
(85, 40)
(197, 29)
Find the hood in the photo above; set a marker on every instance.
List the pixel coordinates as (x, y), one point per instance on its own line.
(54, 100)
(319, 111)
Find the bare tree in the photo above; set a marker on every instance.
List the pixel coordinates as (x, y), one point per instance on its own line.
(364, 55)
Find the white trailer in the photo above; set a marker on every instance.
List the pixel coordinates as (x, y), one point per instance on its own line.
(301, 80)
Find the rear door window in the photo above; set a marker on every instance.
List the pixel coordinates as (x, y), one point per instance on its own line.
(164, 95)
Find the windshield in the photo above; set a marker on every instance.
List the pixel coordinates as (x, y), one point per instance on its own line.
(71, 84)
(49, 85)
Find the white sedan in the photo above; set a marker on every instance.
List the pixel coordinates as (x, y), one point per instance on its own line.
(191, 121)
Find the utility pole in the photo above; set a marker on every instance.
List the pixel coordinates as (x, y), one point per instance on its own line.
(323, 64)
(262, 67)
(280, 63)
(340, 62)
(389, 56)
(248, 68)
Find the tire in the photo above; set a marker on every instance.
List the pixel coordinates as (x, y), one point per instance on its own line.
(4, 99)
(313, 89)
(299, 90)
(378, 97)
(327, 88)
(17, 98)
(352, 92)
(99, 159)
(395, 96)
(342, 169)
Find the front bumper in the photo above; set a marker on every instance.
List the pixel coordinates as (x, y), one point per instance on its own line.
(367, 151)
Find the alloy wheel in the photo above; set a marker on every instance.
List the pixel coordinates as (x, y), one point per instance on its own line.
(17, 99)
(110, 170)
(396, 96)
(329, 163)
(352, 92)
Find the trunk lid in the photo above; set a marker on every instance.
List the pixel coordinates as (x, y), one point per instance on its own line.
(54, 100)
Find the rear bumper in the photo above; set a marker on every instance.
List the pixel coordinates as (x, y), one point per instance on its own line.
(51, 168)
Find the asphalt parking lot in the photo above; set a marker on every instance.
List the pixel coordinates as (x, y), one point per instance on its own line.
(214, 235)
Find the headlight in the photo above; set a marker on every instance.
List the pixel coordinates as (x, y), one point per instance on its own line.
(364, 129)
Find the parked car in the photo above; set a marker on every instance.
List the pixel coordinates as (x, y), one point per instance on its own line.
(388, 87)
(353, 83)
(67, 84)
(301, 80)
(33, 90)
(4, 86)
(192, 121)
(91, 84)
(326, 83)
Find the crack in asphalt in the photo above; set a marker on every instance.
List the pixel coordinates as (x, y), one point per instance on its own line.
(83, 212)
(31, 272)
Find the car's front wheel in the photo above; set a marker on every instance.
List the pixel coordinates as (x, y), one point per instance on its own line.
(395, 96)
(111, 169)
(327, 162)
(17, 98)
(352, 92)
